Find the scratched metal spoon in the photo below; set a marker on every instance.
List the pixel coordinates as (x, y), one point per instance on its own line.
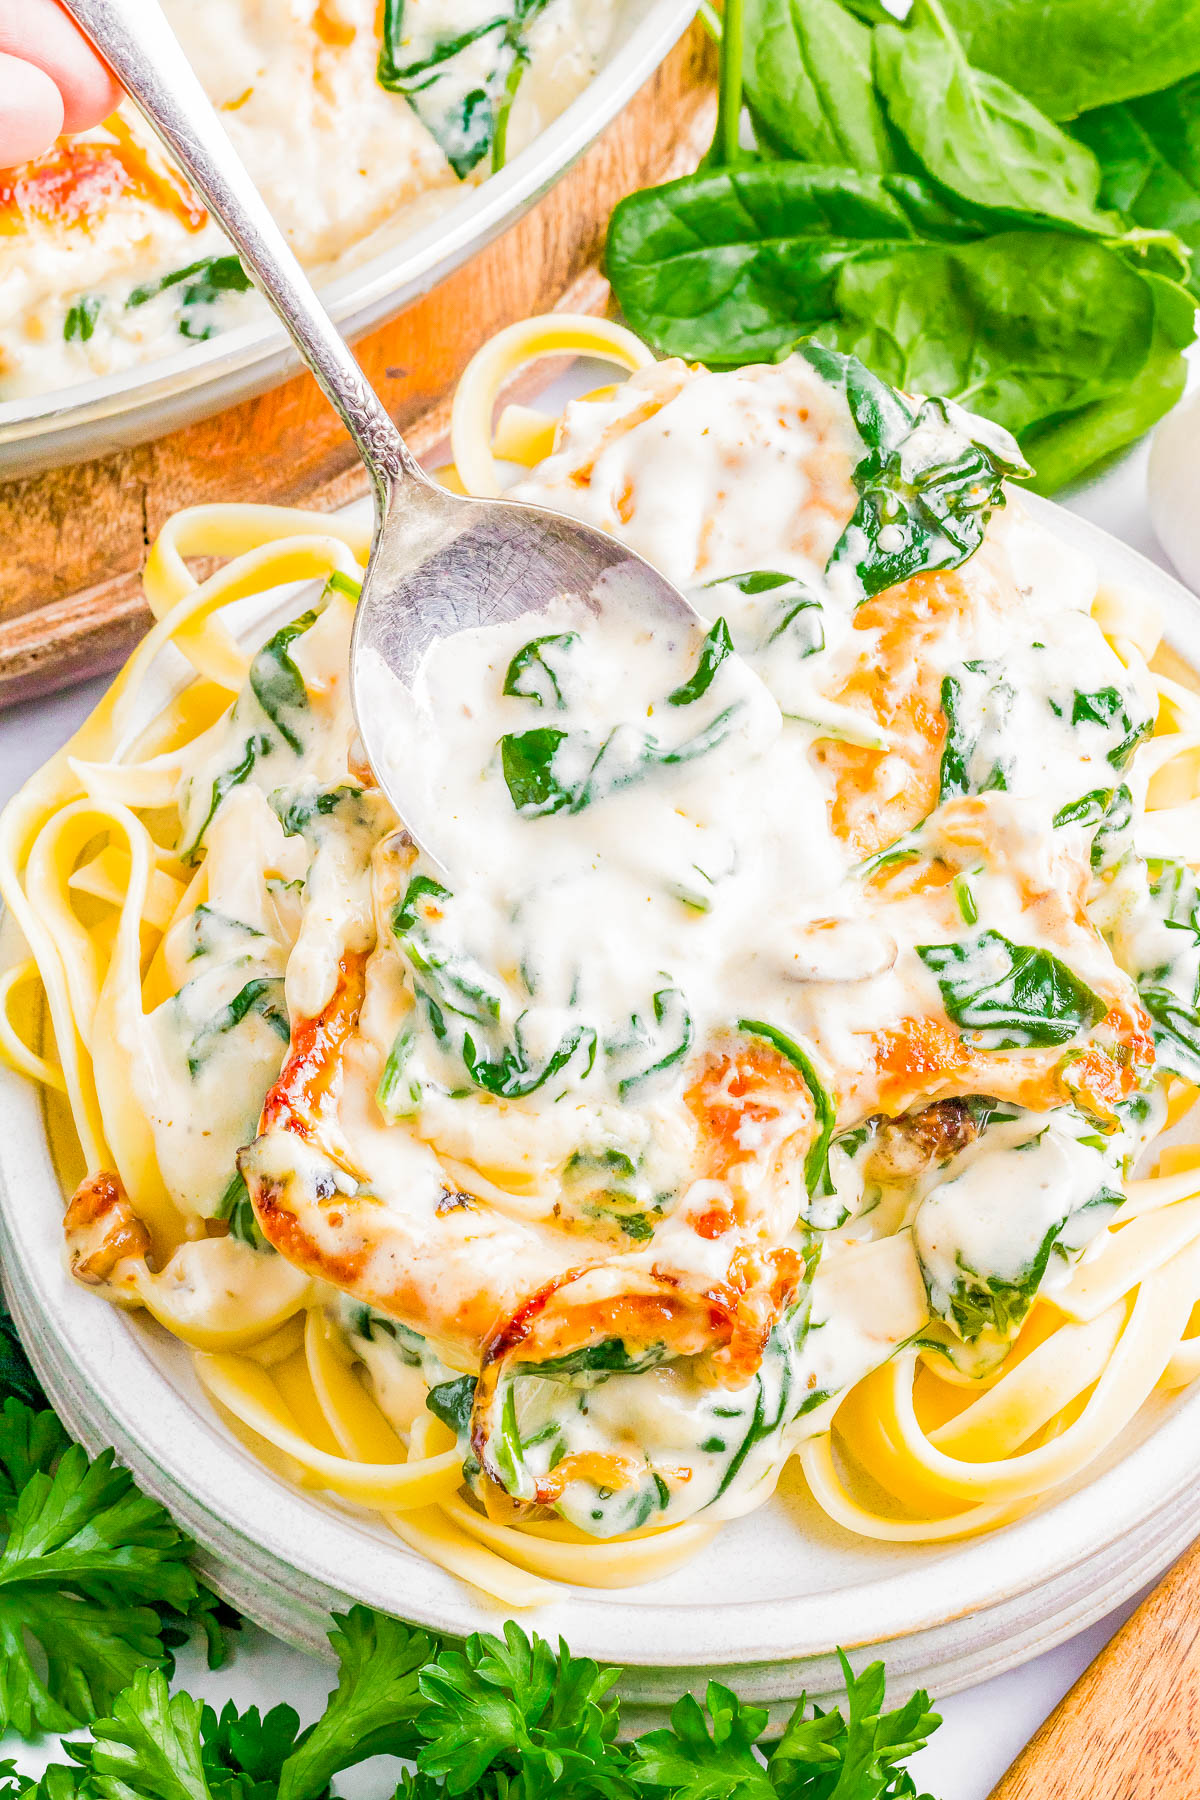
(439, 564)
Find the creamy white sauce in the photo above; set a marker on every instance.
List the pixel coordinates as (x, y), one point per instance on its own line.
(674, 917)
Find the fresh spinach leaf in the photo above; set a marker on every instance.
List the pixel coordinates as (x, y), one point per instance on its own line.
(809, 85)
(462, 98)
(716, 647)
(738, 265)
(977, 136)
(277, 683)
(538, 670)
(1056, 337)
(1010, 996)
(80, 321)
(824, 1113)
(1149, 156)
(926, 486)
(203, 284)
(1070, 55)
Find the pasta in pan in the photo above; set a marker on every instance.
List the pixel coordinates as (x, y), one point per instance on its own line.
(762, 1072)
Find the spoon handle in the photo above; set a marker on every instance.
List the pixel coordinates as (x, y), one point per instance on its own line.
(135, 39)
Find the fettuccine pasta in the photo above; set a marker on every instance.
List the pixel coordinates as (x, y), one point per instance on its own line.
(777, 1063)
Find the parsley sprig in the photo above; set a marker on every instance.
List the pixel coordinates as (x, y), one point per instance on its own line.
(95, 1592)
(95, 1583)
(504, 1718)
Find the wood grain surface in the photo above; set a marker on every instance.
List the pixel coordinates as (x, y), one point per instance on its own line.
(1130, 1727)
(74, 537)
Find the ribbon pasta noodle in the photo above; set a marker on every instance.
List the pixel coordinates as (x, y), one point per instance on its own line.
(549, 1214)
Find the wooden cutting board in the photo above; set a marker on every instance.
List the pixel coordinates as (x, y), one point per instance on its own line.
(74, 538)
(1130, 1727)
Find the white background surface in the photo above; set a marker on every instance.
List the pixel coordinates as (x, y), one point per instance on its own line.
(984, 1727)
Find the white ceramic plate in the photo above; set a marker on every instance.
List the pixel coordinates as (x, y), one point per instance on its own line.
(763, 1607)
(105, 414)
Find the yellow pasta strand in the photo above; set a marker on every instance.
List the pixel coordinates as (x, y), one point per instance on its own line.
(475, 398)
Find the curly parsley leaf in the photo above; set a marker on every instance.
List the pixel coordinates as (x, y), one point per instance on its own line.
(504, 1718)
(536, 1722)
(708, 1753)
(94, 1581)
(373, 1708)
(829, 1756)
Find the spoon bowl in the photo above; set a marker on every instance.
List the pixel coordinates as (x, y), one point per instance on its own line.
(467, 564)
(439, 563)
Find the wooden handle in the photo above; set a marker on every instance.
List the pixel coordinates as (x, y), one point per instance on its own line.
(1130, 1727)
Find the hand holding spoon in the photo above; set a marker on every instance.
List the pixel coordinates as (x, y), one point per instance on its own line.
(439, 564)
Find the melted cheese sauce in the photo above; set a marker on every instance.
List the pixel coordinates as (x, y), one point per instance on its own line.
(780, 1000)
(347, 167)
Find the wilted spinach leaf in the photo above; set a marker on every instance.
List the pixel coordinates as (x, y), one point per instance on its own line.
(716, 647)
(443, 974)
(452, 1402)
(203, 284)
(646, 1050)
(1113, 710)
(537, 671)
(824, 1112)
(1170, 986)
(80, 321)
(1010, 996)
(980, 1303)
(461, 87)
(511, 1073)
(223, 783)
(975, 758)
(236, 1206)
(1110, 811)
(1176, 1031)
(264, 996)
(278, 684)
(549, 771)
(926, 486)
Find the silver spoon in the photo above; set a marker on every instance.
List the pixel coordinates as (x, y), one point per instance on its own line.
(439, 564)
